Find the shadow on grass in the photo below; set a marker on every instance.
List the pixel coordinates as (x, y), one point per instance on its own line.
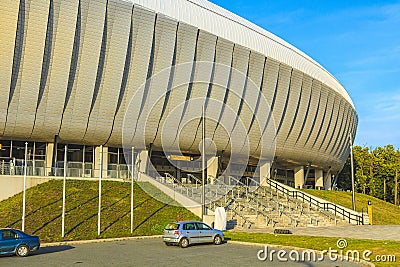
(52, 249)
(126, 214)
(151, 215)
(12, 224)
(70, 210)
(95, 214)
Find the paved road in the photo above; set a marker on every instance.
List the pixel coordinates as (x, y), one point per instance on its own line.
(152, 252)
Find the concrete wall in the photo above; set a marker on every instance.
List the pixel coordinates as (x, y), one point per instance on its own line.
(12, 185)
(186, 202)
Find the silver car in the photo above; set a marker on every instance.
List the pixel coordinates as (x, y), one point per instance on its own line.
(191, 232)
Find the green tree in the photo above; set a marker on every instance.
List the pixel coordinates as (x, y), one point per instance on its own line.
(344, 177)
(396, 178)
(363, 162)
(377, 172)
(385, 159)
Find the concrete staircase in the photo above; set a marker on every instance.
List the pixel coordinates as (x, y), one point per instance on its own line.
(263, 208)
(273, 205)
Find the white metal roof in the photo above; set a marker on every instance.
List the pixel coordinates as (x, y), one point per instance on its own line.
(221, 22)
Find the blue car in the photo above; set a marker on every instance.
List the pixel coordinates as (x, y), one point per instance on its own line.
(13, 241)
(191, 232)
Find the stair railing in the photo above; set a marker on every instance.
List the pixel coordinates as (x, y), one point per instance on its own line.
(351, 217)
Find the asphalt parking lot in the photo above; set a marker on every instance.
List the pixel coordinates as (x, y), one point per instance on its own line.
(152, 252)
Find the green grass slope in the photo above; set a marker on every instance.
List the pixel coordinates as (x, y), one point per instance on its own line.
(44, 208)
(383, 213)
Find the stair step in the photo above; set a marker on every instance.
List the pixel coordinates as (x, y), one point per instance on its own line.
(267, 209)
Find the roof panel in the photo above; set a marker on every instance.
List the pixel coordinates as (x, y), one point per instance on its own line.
(221, 22)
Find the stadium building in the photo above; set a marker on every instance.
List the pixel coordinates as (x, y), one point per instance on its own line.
(70, 70)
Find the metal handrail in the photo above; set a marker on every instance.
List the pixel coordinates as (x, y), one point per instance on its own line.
(328, 206)
(252, 180)
(167, 175)
(194, 178)
(238, 182)
(187, 190)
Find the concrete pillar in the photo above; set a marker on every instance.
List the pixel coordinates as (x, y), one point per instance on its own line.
(212, 169)
(97, 157)
(142, 161)
(328, 181)
(178, 173)
(49, 158)
(265, 172)
(299, 177)
(319, 179)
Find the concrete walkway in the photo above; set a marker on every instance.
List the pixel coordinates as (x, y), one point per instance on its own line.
(373, 232)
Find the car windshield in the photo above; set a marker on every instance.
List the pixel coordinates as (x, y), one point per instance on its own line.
(172, 226)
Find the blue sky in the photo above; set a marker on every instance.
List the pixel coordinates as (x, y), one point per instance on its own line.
(357, 41)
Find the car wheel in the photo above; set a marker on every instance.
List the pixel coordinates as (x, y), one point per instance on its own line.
(22, 251)
(217, 240)
(184, 243)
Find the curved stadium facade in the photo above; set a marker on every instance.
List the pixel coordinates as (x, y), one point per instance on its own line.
(70, 68)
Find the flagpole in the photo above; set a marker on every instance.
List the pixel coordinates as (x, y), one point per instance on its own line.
(24, 191)
(64, 188)
(203, 165)
(353, 195)
(100, 177)
(133, 176)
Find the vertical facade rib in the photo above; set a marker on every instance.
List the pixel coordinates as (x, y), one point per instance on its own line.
(142, 37)
(49, 110)
(77, 109)
(9, 10)
(205, 51)
(251, 99)
(185, 50)
(165, 38)
(102, 115)
(22, 104)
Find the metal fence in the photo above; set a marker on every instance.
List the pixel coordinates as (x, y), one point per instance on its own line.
(350, 216)
(16, 167)
(119, 171)
(74, 169)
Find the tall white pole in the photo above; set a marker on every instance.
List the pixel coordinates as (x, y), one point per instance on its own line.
(118, 169)
(353, 196)
(24, 193)
(64, 188)
(100, 177)
(33, 159)
(83, 161)
(203, 165)
(133, 176)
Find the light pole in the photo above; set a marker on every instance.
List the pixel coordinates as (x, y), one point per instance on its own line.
(64, 188)
(133, 176)
(353, 197)
(203, 165)
(24, 193)
(100, 178)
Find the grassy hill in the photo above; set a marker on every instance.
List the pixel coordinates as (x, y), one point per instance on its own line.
(44, 208)
(384, 213)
